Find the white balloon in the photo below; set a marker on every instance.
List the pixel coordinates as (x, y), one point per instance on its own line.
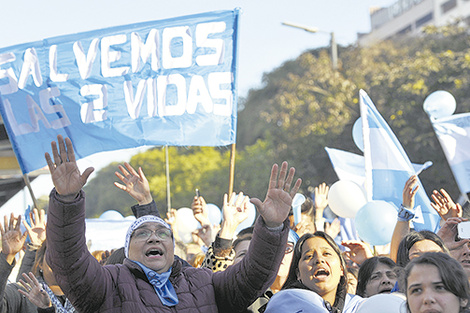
(215, 215)
(439, 104)
(249, 220)
(384, 303)
(345, 198)
(111, 215)
(357, 134)
(186, 223)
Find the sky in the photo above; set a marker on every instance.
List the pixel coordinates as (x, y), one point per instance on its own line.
(264, 43)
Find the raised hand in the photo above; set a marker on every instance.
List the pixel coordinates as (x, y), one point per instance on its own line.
(199, 208)
(64, 170)
(276, 206)
(105, 256)
(321, 197)
(12, 238)
(37, 230)
(306, 225)
(204, 235)
(409, 192)
(445, 206)
(448, 233)
(235, 211)
(358, 251)
(34, 291)
(333, 228)
(171, 220)
(135, 183)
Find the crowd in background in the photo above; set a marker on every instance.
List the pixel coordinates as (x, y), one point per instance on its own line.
(280, 264)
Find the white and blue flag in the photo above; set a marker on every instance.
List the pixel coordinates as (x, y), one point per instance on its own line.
(168, 82)
(454, 135)
(387, 166)
(351, 166)
(347, 165)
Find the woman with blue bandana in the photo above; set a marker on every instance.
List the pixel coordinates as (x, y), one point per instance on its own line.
(151, 279)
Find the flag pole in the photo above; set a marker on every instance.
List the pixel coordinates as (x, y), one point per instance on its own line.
(28, 184)
(231, 169)
(167, 170)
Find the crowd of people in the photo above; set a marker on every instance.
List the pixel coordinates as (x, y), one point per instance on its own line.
(280, 264)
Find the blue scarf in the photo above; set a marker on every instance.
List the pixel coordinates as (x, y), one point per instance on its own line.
(161, 284)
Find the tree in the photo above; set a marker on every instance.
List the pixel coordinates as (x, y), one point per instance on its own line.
(304, 106)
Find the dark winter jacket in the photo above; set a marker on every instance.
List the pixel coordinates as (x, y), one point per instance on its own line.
(124, 288)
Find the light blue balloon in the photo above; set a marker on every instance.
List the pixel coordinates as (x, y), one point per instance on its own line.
(357, 134)
(439, 104)
(375, 222)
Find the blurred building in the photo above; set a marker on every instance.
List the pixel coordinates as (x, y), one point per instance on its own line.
(11, 177)
(409, 16)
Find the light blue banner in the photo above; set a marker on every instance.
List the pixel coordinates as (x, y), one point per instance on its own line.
(168, 82)
(388, 167)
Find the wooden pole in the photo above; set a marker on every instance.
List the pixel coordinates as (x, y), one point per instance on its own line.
(168, 194)
(28, 184)
(232, 169)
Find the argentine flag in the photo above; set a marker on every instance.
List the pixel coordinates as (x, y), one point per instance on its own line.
(453, 134)
(351, 166)
(387, 166)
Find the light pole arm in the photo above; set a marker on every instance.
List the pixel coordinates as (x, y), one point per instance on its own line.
(333, 45)
(306, 28)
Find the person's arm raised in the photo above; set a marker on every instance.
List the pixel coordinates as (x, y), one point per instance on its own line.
(80, 276)
(64, 170)
(445, 206)
(12, 238)
(405, 214)
(240, 284)
(276, 206)
(137, 186)
(135, 183)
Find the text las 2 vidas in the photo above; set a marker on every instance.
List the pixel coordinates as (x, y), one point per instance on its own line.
(201, 49)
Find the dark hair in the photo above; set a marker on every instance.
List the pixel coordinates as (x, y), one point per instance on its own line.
(244, 234)
(116, 257)
(354, 271)
(452, 274)
(39, 259)
(306, 207)
(366, 270)
(403, 257)
(292, 279)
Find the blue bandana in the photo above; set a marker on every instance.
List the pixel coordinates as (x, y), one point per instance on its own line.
(161, 284)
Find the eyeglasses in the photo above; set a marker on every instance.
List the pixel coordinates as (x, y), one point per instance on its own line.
(142, 234)
(289, 248)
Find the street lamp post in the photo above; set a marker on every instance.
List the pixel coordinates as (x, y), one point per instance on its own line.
(333, 45)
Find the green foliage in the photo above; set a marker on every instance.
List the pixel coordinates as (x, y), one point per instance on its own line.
(304, 106)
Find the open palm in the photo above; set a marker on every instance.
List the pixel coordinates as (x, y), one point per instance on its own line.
(64, 170)
(276, 206)
(12, 238)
